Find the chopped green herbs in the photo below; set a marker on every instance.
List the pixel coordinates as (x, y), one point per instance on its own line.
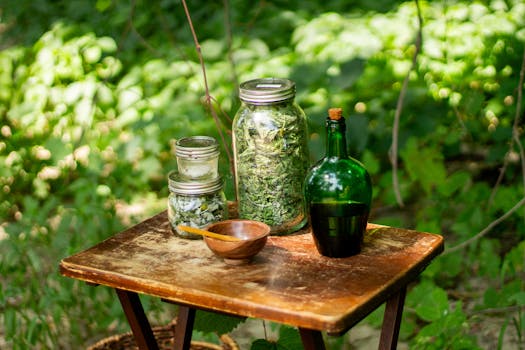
(196, 211)
(271, 163)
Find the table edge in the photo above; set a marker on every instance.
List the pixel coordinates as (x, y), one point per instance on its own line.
(331, 324)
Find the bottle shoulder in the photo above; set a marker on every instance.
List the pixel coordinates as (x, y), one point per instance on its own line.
(342, 166)
(338, 181)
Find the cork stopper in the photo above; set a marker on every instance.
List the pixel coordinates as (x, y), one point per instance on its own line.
(335, 113)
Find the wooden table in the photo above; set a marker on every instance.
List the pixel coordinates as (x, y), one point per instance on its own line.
(288, 282)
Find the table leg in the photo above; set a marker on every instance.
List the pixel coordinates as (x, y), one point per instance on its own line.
(312, 340)
(137, 320)
(392, 321)
(184, 328)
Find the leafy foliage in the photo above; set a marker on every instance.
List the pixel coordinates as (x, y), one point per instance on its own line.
(209, 322)
(289, 339)
(92, 95)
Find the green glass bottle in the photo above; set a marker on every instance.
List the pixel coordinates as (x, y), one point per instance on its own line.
(338, 195)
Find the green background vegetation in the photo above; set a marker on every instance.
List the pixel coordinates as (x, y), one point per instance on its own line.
(93, 94)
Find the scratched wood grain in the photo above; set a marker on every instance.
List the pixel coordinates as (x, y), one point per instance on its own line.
(288, 282)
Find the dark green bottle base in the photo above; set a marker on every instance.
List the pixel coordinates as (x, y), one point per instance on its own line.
(338, 228)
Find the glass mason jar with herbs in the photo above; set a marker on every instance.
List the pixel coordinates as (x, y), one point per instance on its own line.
(270, 154)
(195, 203)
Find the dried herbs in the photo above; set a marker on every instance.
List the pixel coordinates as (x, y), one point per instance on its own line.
(196, 210)
(271, 162)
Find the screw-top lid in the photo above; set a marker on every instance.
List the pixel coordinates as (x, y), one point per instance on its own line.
(335, 113)
(181, 185)
(266, 90)
(196, 147)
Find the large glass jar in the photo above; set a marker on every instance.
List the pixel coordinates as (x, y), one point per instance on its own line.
(195, 203)
(270, 154)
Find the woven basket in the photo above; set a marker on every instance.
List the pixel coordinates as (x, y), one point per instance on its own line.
(165, 340)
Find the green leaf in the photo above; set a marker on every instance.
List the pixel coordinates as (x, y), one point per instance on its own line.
(432, 301)
(511, 292)
(212, 49)
(488, 258)
(518, 298)
(10, 321)
(424, 165)
(357, 132)
(371, 162)
(473, 101)
(454, 183)
(502, 333)
(34, 260)
(491, 298)
(129, 97)
(58, 148)
(513, 262)
(350, 72)
(209, 322)
(263, 344)
(289, 338)
(448, 332)
(103, 5)
(150, 167)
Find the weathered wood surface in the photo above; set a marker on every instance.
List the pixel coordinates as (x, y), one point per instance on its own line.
(288, 282)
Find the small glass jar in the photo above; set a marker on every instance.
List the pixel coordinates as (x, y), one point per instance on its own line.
(270, 142)
(195, 203)
(197, 157)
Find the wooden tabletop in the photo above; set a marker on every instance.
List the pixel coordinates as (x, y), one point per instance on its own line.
(288, 282)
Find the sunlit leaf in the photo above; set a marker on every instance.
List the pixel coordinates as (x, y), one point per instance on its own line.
(431, 301)
(209, 322)
(424, 165)
(128, 97)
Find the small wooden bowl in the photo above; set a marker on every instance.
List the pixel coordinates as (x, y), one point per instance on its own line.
(253, 235)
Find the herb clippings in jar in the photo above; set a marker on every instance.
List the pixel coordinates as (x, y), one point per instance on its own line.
(272, 160)
(196, 210)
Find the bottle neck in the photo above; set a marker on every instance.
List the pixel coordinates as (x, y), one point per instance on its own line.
(336, 138)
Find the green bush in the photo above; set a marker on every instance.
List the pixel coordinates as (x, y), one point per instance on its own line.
(92, 96)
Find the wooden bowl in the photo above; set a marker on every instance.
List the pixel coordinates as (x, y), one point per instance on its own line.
(253, 235)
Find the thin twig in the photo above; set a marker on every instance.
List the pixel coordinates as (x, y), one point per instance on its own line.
(486, 229)
(226, 115)
(521, 152)
(517, 119)
(502, 172)
(461, 122)
(229, 40)
(498, 310)
(130, 27)
(265, 331)
(258, 10)
(206, 88)
(399, 108)
(515, 137)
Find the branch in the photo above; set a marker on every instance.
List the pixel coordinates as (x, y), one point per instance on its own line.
(515, 137)
(486, 229)
(498, 310)
(207, 90)
(226, 115)
(515, 126)
(229, 40)
(399, 108)
(130, 27)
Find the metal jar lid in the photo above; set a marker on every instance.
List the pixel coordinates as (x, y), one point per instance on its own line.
(266, 90)
(181, 185)
(196, 147)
